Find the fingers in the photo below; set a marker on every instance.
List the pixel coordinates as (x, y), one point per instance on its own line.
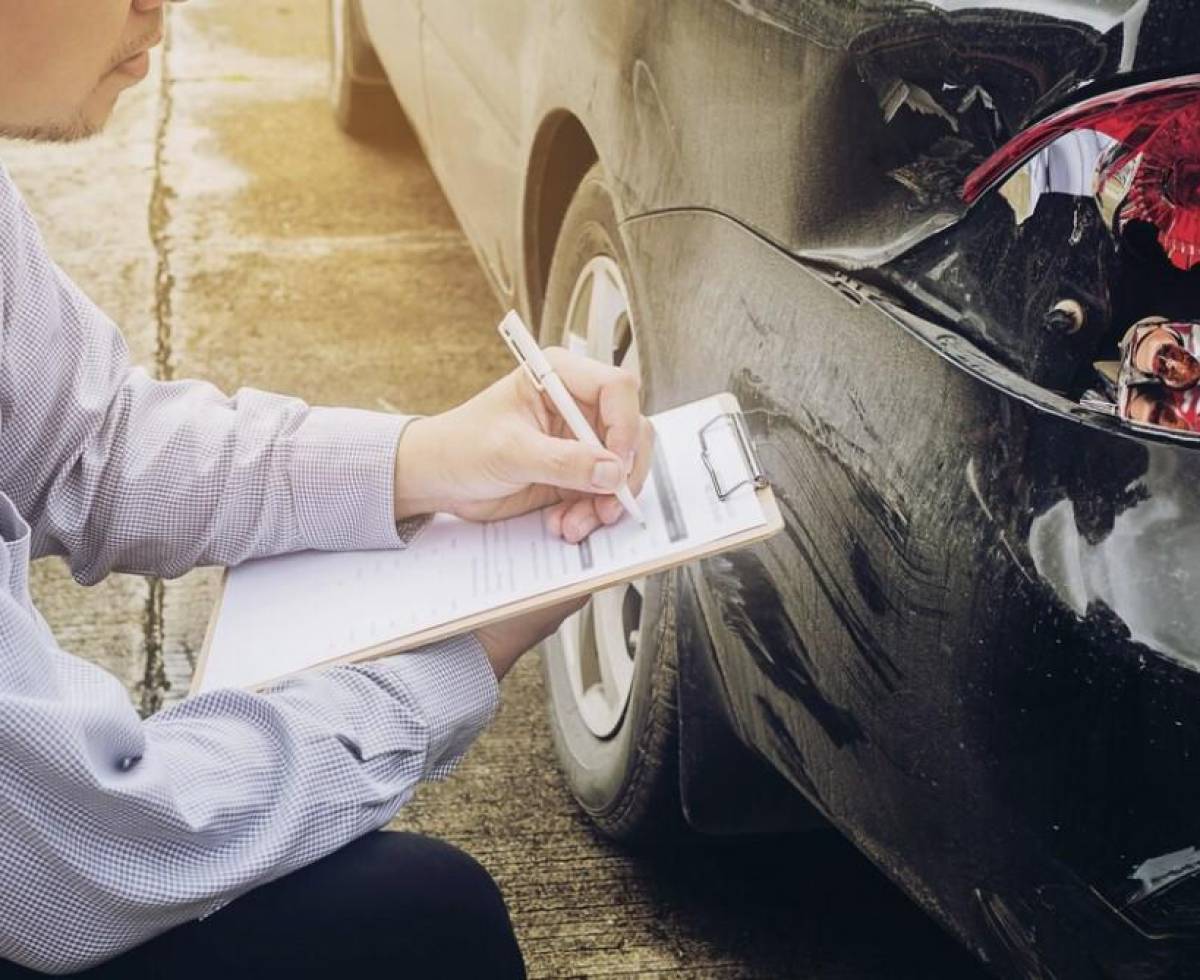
(613, 396)
(643, 456)
(567, 464)
(574, 520)
(613, 391)
(608, 509)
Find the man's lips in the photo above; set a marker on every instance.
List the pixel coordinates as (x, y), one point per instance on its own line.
(136, 67)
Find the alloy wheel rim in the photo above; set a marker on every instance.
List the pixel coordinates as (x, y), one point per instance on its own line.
(600, 642)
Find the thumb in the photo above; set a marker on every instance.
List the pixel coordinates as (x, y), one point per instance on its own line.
(568, 464)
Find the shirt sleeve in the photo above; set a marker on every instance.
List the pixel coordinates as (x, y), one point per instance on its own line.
(115, 470)
(114, 829)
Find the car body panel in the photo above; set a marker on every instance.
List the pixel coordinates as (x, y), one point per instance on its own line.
(886, 89)
(475, 51)
(949, 650)
(974, 647)
(400, 22)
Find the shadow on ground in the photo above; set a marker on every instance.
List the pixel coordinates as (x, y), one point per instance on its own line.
(807, 905)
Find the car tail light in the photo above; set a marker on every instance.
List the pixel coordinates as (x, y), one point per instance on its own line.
(1149, 173)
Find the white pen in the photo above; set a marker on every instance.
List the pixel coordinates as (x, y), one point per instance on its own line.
(527, 352)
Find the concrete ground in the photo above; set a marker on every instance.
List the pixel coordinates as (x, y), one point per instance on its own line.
(236, 235)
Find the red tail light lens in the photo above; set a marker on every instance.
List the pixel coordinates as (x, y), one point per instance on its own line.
(1152, 171)
(1164, 185)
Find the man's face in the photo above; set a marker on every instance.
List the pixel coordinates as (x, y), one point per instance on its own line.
(64, 62)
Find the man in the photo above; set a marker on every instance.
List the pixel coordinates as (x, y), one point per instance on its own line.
(233, 833)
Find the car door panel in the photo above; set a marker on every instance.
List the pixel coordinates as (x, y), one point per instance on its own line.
(473, 52)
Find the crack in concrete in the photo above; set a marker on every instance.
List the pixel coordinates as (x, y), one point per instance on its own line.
(154, 680)
(161, 196)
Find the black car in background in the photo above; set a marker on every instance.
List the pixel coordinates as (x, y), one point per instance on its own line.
(902, 232)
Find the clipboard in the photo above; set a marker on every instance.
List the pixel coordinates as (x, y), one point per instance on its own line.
(743, 473)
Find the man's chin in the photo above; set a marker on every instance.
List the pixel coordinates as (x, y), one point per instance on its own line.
(84, 122)
(69, 131)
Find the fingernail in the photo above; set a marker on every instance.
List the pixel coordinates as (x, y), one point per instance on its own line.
(606, 474)
(629, 461)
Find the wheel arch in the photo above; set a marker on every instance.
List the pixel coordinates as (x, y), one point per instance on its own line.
(561, 154)
(704, 732)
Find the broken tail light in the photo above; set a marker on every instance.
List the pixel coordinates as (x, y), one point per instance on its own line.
(1164, 186)
(1149, 170)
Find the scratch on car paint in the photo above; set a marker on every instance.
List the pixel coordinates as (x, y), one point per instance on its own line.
(1002, 536)
(853, 568)
(789, 751)
(760, 328)
(792, 436)
(866, 642)
(864, 417)
(821, 562)
(655, 148)
(1018, 940)
(787, 429)
(868, 580)
(753, 611)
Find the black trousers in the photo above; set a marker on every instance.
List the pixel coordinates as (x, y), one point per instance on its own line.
(390, 905)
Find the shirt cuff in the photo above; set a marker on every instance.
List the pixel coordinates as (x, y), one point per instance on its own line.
(342, 467)
(455, 686)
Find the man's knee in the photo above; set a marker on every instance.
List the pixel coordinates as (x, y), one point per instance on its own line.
(457, 879)
(458, 903)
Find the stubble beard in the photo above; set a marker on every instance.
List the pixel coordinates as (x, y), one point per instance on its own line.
(80, 126)
(77, 128)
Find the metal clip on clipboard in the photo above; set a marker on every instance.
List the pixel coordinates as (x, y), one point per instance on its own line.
(753, 472)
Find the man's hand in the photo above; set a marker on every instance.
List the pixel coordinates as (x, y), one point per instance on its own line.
(505, 642)
(507, 451)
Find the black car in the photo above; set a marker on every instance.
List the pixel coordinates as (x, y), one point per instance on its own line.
(908, 235)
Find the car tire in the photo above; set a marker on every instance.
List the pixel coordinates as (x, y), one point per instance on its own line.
(363, 102)
(627, 779)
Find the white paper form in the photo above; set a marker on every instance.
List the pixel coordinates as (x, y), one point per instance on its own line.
(289, 613)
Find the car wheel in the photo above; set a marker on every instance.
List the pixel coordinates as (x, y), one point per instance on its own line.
(363, 102)
(610, 668)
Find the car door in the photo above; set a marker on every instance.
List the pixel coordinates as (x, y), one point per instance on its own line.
(473, 53)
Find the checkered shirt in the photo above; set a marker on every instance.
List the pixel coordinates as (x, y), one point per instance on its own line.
(114, 829)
